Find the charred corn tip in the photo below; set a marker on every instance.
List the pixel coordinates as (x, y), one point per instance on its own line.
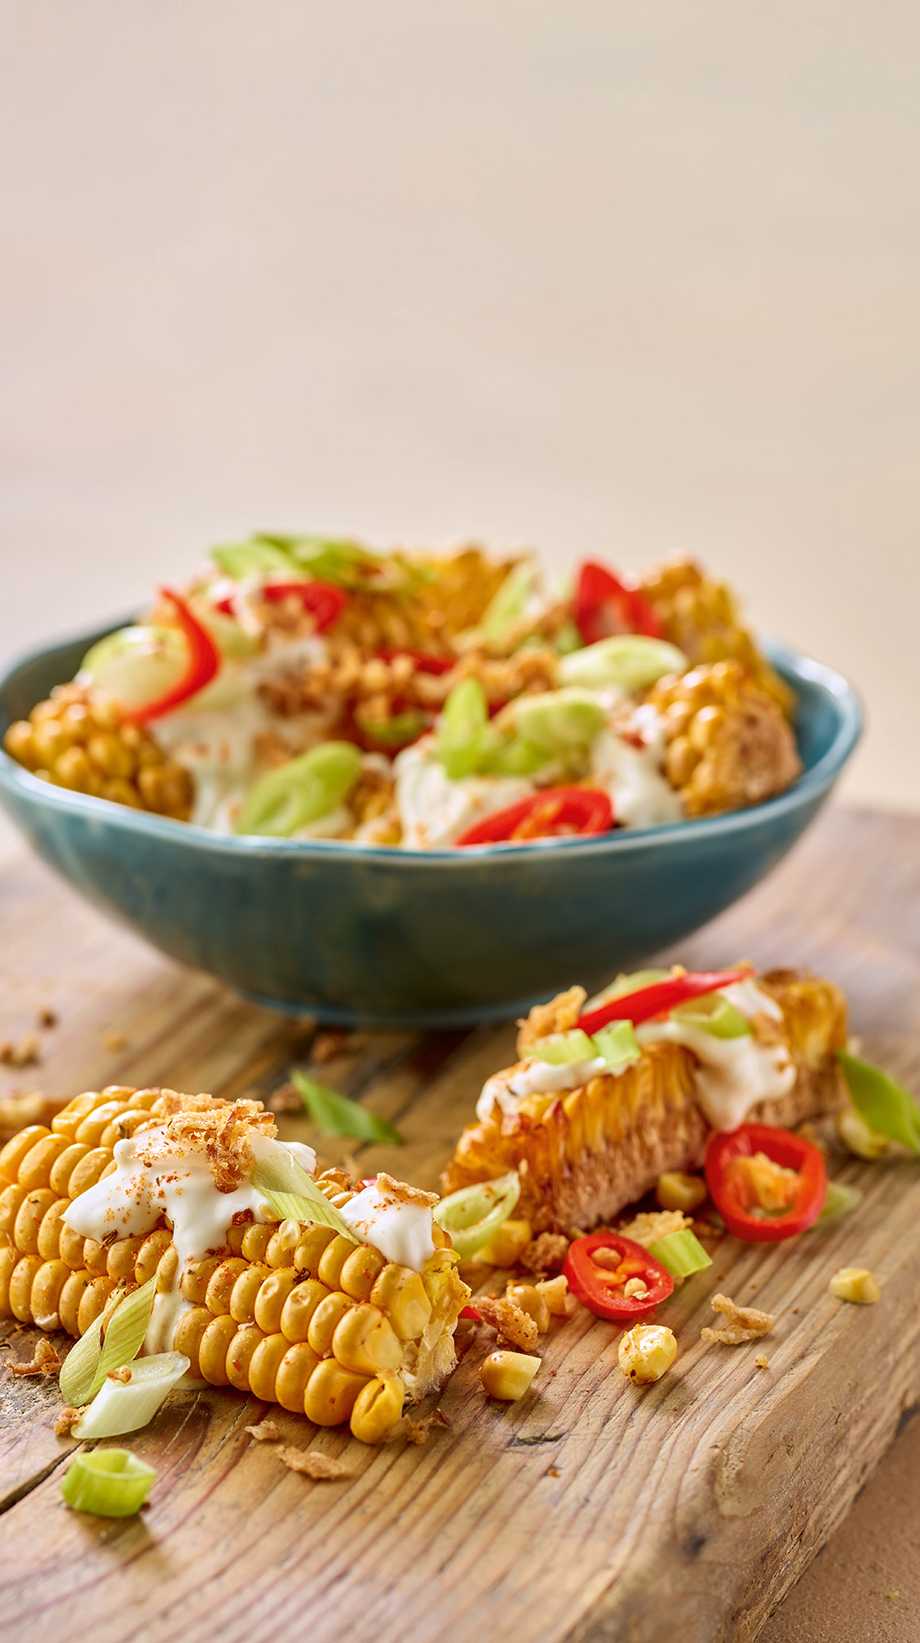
(508, 1375)
(290, 1312)
(728, 743)
(646, 1352)
(856, 1284)
(81, 744)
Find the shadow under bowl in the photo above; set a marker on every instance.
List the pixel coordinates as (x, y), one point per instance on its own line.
(378, 936)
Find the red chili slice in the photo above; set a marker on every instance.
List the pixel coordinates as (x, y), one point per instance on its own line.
(557, 812)
(202, 662)
(606, 605)
(600, 1288)
(324, 601)
(659, 998)
(739, 1208)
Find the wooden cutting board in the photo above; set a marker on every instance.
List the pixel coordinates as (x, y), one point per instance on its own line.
(592, 1510)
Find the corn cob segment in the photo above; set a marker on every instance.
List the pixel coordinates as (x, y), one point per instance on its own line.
(586, 1153)
(727, 741)
(701, 617)
(81, 743)
(293, 1313)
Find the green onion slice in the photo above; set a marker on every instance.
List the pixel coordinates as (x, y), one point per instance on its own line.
(107, 1483)
(561, 722)
(627, 662)
(398, 731)
(881, 1102)
(112, 1341)
(715, 1014)
(840, 1200)
(126, 1406)
(509, 603)
(294, 1195)
(510, 756)
(137, 665)
(568, 639)
(474, 1214)
(561, 1048)
(680, 1253)
(618, 1045)
(301, 791)
(254, 558)
(337, 1114)
(462, 729)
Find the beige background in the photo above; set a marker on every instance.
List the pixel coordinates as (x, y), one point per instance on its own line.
(590, 276)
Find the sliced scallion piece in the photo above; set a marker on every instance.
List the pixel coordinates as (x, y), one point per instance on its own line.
(618, 1045)
(301, 791)
(509, 604)
(840, 1200)
(107, 1483)
(295, 1196)
(883, 1104)
(126, 1406)
(254, 558)
(474, 1214)
(629, 662)
(559, 1049)
(462, 729)
(112, 1341)
(680, 1253)
(136, 665)
(337, 1114)
(715, 1014)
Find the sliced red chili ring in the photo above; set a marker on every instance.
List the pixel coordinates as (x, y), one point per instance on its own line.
(556, 812)
(738, 1203)
(658, 998)
(604, 605)
(601, 1289)
(202, 663)
(323, 600)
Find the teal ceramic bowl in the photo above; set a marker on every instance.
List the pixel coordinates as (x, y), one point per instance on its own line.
(439, 938)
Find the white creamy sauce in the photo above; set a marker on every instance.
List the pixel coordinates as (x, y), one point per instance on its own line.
(435, 811)
(507, 1089)
(168, 1307)
(401, 1230)
(640, 794)
(735, 1073)
(215, 737)
(153, 1176)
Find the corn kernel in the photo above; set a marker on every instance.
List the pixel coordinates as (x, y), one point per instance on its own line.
(646, 1352)
(507, 1245)
(508, 1375)
(855, 1283)
(675, 1190)
(529, 1299)
(555, 1292)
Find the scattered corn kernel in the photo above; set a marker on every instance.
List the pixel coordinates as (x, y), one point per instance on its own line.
(508, 1375)
(646, 1352)
(857, 1135)
(529, 1299)
(675, 1190)
(555, 1292)
(634, 1287)
(507, 1245)
(855, 1283)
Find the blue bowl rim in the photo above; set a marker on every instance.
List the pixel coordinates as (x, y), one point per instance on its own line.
(795, 666)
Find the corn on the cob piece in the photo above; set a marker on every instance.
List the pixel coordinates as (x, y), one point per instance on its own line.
(450, 594)
(700, 616)
(584, 1154)
(82, 744)
(293, 1313)
(728, 744)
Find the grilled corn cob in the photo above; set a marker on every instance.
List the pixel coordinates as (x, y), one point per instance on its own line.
(82, 744)
(700, 616)
(584, 1154)
(727, 742)
(447, 596)
(293, 1313)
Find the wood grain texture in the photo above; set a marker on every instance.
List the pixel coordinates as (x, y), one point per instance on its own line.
(592, 1511)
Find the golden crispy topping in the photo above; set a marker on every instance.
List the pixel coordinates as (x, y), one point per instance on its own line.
(743, 1323)
(558, 1016)
(123, 1375)
(223, 1130)
(265, 1432)
(399, 1192)
(545, 1253)
(45, 1361)
(418, 1429)
(312, 1463)
(509, 1321)
(647, 1227)
(67, 1419)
